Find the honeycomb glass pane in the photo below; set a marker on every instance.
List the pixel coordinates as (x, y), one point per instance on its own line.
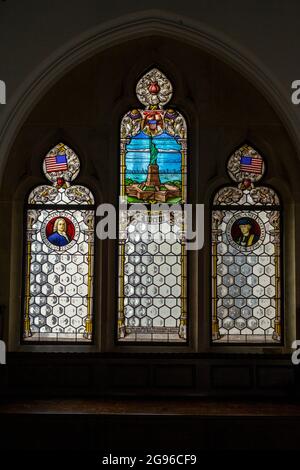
(151, 284)
(59, 293)
(246, 284)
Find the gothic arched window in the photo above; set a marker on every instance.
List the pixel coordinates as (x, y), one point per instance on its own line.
(152, 257)
(59, 251)
(246, 274)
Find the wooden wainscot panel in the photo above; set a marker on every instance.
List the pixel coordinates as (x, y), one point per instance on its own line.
(129, 376)
(233, 377)
(183, 376)
(275, 377)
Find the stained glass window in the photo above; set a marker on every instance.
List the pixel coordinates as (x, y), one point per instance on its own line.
(152, 257)
(59, 254)
(246, 275)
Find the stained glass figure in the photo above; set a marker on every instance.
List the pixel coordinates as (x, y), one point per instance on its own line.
(153, 146)
(152, 258)
(246, 300)
(59, 254)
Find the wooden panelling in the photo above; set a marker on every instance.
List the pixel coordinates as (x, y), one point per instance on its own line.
(275, 377)
(234, 377)
(181, 376)
(129, 376)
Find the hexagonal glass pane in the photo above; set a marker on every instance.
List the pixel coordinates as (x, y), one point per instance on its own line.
(58, 243)
(159, 288)
(244, 267)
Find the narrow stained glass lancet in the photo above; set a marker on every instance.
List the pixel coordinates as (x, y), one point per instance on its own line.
(246, 275)
(152, 257)
(59, 254)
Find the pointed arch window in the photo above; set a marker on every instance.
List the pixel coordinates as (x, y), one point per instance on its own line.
(246, 273)
(59, 253)
(152, 258)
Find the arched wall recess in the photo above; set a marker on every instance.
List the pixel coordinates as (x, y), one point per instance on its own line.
(128, 27)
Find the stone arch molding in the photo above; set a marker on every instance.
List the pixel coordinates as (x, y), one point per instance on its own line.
(128, 27)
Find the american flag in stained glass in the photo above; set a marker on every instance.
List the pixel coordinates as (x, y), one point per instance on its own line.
(56, 163)
(251, 164)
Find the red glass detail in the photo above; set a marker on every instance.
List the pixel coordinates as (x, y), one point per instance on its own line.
(60, 182)
(154, 88)
(247, 183)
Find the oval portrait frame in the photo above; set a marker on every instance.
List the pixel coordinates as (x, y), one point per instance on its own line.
(257, 220)
(55, 215)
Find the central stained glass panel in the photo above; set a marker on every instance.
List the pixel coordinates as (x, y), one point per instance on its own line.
(152, 255)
